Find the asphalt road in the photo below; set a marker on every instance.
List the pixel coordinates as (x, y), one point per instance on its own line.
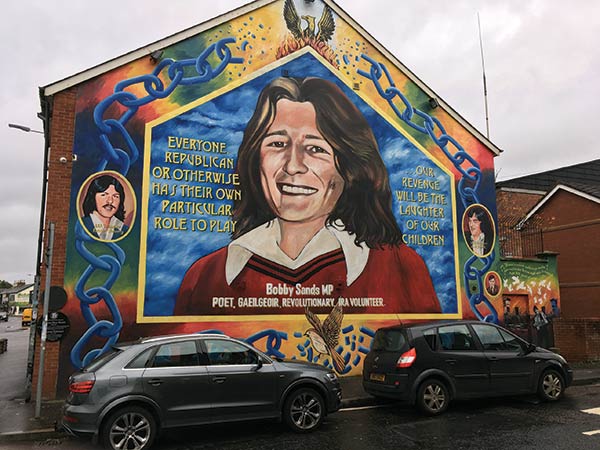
(498, 424)
(13, 363)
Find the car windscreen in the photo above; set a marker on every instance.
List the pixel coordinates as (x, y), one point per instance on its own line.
(390, 341)
(101, 360)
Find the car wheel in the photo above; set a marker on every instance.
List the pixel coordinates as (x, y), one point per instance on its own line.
(131, 428)
(551, 385)
(304, 410)
(433, 397)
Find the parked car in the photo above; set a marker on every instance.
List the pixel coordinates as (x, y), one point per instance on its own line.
(3, 316)
(431, 364)
(126, 396)
(26, 317)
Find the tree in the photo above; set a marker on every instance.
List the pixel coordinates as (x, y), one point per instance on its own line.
(5, 284)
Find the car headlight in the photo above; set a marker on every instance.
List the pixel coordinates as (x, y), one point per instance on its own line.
(331, 376)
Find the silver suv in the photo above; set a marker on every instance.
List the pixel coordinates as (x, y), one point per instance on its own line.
(126, 396)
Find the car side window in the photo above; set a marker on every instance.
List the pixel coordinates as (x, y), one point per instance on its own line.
(222, 352)
(456, 337)
(490, 338)
(429, 336)
(513, 344)
(141, 360)
(176, 354)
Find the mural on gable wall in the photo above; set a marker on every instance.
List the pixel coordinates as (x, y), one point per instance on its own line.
(270, 173)
(529, 288)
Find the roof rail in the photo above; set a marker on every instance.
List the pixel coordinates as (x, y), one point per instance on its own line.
(180, 336)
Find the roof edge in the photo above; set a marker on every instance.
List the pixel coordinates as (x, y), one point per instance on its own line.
(544, 172)
(550, 194)
(146, 50)
(522, 191)
(455, 115)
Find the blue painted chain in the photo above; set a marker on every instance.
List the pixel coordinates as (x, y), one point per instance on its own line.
(468, 185)
(198, 70)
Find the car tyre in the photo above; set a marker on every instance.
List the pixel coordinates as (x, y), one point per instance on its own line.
(304, 410)
(551, 385)
(433, 397)
(130, 428)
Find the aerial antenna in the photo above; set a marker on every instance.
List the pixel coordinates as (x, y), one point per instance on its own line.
(487, 119)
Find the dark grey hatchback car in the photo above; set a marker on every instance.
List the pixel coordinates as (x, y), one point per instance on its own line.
(431, 364)
(128, 395)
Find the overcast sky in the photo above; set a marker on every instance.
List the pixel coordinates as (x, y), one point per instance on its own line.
(541, 57)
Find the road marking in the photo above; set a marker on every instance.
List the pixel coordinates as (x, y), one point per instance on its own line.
(595, 411)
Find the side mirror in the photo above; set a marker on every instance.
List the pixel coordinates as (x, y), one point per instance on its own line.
(259, 364)
(529, 349)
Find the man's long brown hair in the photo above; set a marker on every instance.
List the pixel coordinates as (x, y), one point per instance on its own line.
(365, 206)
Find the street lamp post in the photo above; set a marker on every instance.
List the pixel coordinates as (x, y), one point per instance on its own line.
(24, 128)
(37, 280)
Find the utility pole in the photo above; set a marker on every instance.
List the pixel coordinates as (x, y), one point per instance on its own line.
(487, 120)
(40, 381)
(38, 261)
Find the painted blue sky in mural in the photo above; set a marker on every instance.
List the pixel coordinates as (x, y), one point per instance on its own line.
(223, 119)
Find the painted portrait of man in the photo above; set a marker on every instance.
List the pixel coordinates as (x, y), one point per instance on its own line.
(315, 210)
(478, 230)
(103, 208)
(492, 285)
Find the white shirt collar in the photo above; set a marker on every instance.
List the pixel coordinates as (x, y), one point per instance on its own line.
(263, 241)
(103, 232)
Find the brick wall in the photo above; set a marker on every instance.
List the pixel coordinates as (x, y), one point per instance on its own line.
(510, 203)
(62, 131)
(578, 339)
(572, 229)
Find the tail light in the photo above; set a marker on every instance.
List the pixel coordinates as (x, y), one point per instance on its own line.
(81, 387)
(407, 359)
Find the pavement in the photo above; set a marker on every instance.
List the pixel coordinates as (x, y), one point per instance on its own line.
(18, 421)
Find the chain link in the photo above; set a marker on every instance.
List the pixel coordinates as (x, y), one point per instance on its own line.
(120, 160)
(468, 185)
(273, 341)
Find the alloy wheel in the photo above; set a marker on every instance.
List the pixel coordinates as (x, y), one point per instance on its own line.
(306, 410)
(552, 385)
(130, 431)
(434, 397)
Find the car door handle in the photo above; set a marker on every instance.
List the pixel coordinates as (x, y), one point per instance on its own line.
(219, 379)
(493, 358)
(451, 361)
(155, 381)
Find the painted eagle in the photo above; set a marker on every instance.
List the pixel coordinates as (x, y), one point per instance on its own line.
(326, 24)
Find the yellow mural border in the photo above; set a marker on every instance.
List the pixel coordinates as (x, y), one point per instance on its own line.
(141, 318)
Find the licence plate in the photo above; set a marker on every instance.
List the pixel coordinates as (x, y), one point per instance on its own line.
(378, 376)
